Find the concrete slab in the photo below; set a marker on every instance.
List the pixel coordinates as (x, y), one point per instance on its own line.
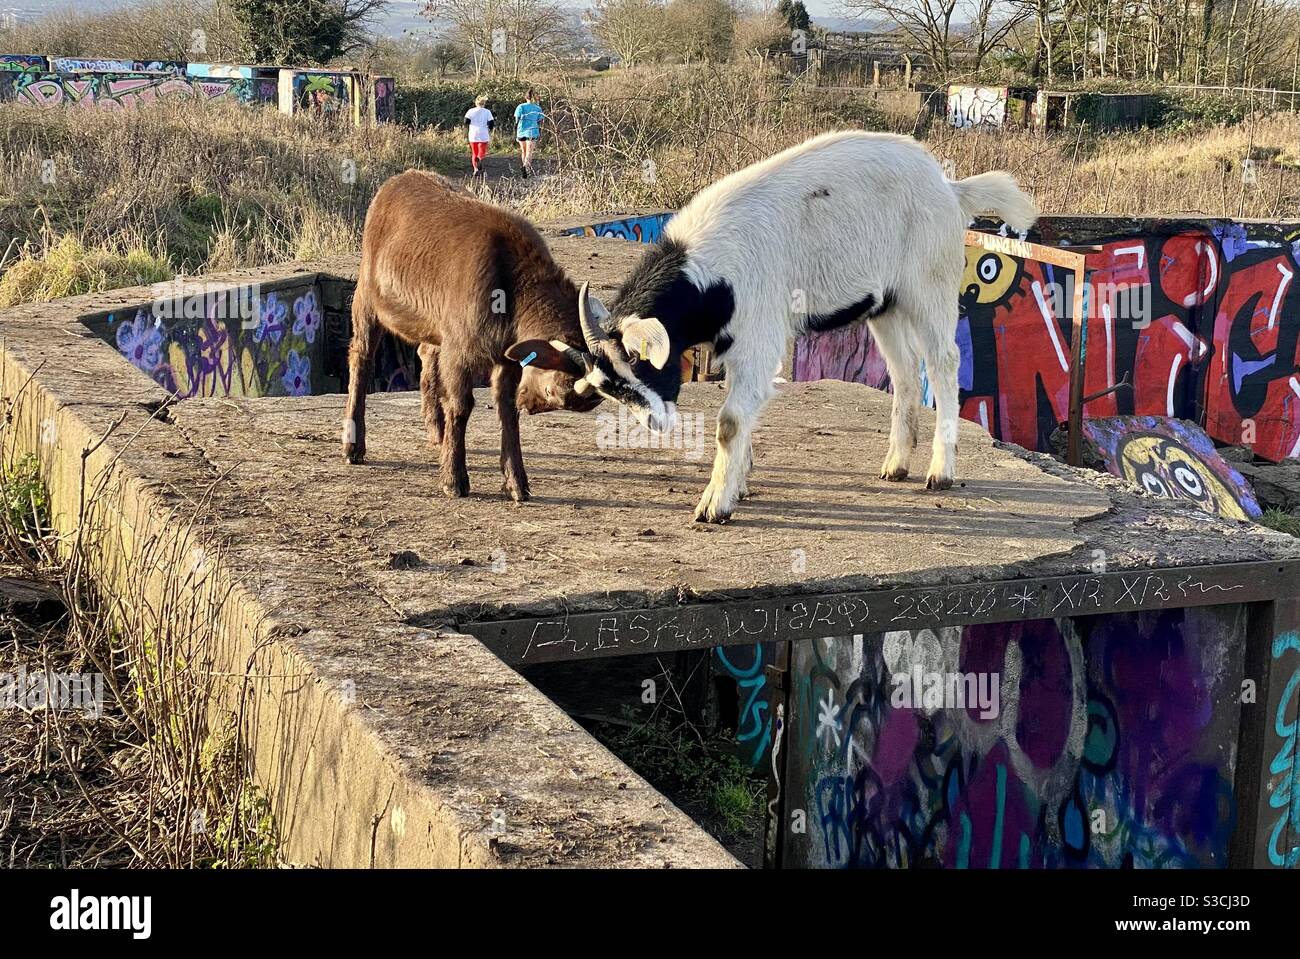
(610, 527)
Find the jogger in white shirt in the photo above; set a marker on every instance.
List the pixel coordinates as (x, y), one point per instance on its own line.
(480, 121)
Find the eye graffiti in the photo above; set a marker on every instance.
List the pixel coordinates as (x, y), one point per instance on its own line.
(1164, 467)
(989, 277)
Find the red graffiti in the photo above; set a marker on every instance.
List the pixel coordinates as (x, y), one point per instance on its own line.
(1200, 325)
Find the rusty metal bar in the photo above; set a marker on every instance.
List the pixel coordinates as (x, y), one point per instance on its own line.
(1073, 258)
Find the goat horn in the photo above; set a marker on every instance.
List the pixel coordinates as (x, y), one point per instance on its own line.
(592, 331)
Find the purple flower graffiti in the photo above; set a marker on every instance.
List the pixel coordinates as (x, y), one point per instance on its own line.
(1232, 240)
(141, 341)
(306, 317)
(271, 324)
(297, 375)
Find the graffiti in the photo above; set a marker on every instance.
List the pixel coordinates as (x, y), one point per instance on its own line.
(23, 63)
(113, 91)
(638, 229)
(977, 106)
(126, 84)
(272, 354)
(385, 100)
(1105, 752)
(81, 65)
(754, 728)
(319, 94)
(1172, 459)
(256, 84)
(244, 343)
(1284, 793)
(1217, 341)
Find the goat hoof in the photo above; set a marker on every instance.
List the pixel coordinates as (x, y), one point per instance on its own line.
(457, 489)
(353, 453)
(711, 514)
(519, 494)
(896, 475)
(938, 482)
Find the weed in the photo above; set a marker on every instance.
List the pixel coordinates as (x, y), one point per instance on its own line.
(1281, 520)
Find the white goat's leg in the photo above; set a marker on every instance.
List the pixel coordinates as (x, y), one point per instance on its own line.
(749, 385)
(937, 332)
(893, 334)
(749, 468)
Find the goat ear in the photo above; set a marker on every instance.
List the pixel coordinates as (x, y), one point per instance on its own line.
(546, 355)
(647, 337)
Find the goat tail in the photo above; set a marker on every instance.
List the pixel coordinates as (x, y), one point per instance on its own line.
(996, 191)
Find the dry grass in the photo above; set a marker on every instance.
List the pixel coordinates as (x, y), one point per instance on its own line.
(1147, 173)
(156, 777)
(654, 137)
(203, 186)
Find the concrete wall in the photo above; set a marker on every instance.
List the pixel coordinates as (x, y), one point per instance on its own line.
(127, 84)
(116, 91)
(352, 774)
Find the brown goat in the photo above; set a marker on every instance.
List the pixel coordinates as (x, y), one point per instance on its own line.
(477, 290)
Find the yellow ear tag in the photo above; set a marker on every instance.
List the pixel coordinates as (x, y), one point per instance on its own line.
(643, 350)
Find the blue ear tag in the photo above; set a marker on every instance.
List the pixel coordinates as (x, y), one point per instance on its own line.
(528, 359)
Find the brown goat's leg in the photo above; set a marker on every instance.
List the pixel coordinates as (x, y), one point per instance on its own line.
(457, 402)
(505, 383)
(431, 393)
(361, 367)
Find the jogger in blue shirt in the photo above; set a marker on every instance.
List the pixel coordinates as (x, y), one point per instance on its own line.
(528, 127)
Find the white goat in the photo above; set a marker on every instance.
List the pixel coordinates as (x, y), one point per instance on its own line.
(845, 226)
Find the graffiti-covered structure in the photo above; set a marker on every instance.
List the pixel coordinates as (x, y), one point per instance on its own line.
(1192, 319)
(127, 84)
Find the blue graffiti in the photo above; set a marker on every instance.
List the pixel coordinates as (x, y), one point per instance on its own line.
(1286, 791)
(754, 725)
(638, 229)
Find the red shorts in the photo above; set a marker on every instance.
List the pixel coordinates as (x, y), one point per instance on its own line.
(478, 150)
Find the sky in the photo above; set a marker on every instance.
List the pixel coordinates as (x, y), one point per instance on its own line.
(402, 14)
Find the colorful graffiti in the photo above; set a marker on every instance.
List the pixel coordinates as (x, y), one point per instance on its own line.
(1284, 767)
(259, 84)
(317, 93)
(115, 91)
(638, 229)
(23, 63)
(1204, 325)
(384, 100)
(240, 343)
(1173, 459)
(125, 84)
(272, 353)
(1104, 746)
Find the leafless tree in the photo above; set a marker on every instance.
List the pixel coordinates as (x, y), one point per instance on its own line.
(945, 31)
(634, 30)
(506, 36)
